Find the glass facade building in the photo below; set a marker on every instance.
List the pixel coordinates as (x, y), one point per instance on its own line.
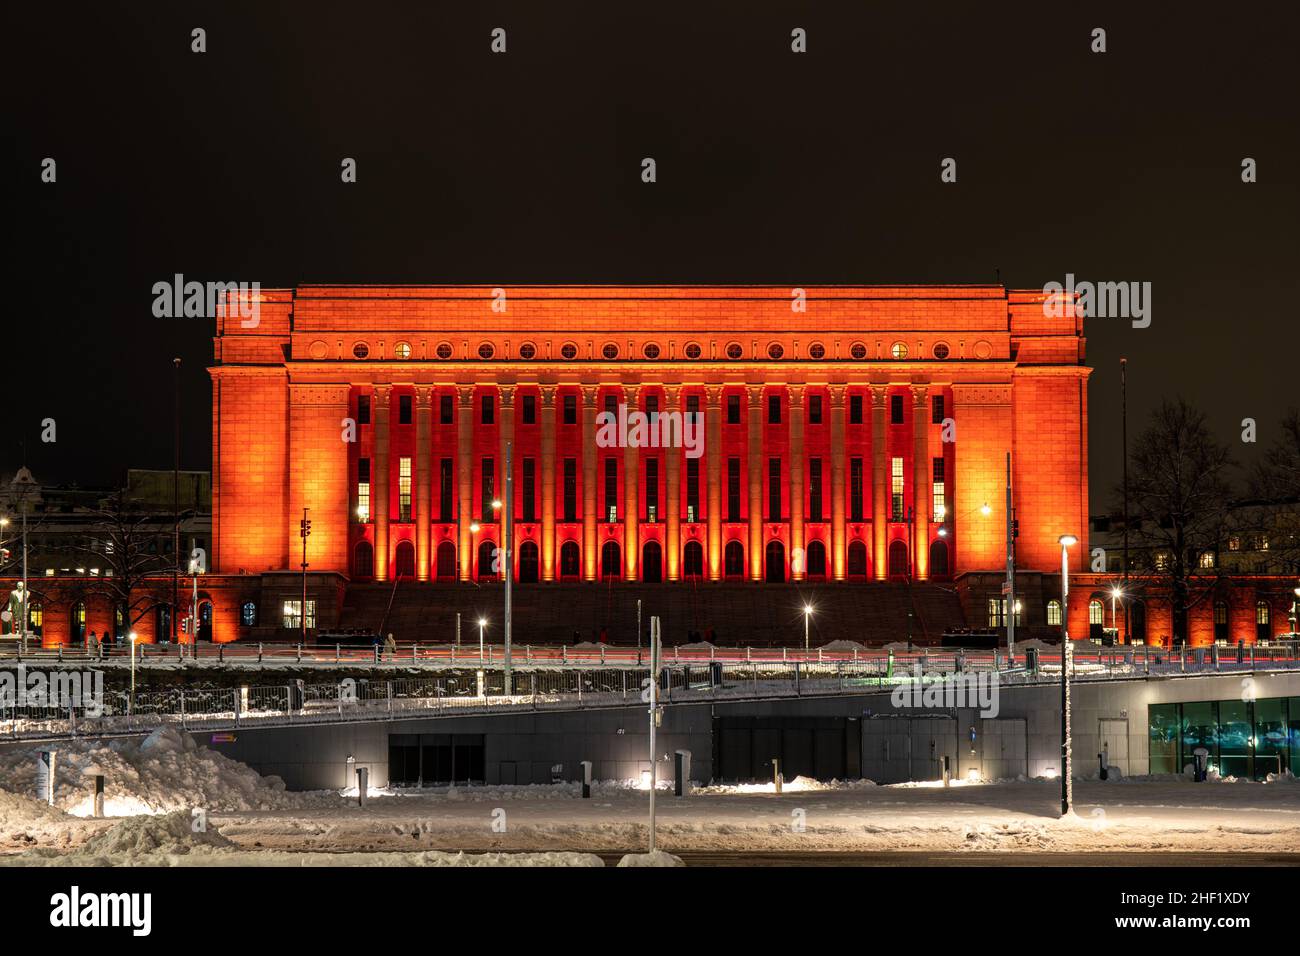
(1247, 739)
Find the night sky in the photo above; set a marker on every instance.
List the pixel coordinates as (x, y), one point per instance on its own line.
(525, 167)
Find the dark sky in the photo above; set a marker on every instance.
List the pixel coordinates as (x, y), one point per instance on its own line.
(773, 167)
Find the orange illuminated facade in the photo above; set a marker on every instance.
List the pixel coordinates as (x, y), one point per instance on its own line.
(844, 433)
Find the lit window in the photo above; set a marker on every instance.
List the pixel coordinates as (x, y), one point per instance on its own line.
(898, 350)
(1207, 559)
(404, 489)
(1096, 613)
(896, 487)
(939, 492)
(1054, 613)
(293, 614)
(402, 350)
(248, 614)
(363, 490)
(1234, 543)
(1261, 612)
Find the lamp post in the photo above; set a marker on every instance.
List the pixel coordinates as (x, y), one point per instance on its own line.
(130, 703)
(21, 488)
(1115, 593)
(807, 616)
(510, 562)
(482, 623)
(304, 531)
(1067, 791)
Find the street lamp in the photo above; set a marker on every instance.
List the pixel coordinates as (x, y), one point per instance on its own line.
(1115, 594)
(1067, 541)
(807, 616)
(482, 623)
(130, 704)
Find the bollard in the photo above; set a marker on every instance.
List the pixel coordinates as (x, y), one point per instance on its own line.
(363, 784)
(259, 652)
(947, 770)
(45, 763)
(586, 779)
(99, 795)
(682, 766)
(337, 652)
(776, 773)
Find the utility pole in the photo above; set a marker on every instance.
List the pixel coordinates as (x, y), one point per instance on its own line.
(510, 564)
(176, 496)
(1123, 404)
(304, 531)
(654, 718)
(638, 629)
(1012, 531)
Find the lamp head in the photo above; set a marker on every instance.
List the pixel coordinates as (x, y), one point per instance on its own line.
(1068, 540)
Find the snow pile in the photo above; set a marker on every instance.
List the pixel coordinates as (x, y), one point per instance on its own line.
(797, 785)
(26, 821)
(657, 858)
(845, 646)
(165, 772)
(168, 834)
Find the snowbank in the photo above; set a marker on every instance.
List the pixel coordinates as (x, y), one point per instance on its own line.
(657, 858)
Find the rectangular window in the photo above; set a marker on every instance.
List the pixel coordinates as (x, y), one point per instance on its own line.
(896, 409)
(733, 489)
(855, 409)
(774, 489)
(652, 490)
(403, 489)
(896, 488)
(488, 488)
(363, 409)
(652, 407)
(570, 409)
(530, 489)
(446, 510)
(570, 489)
(530, 410)
(444, 409)
(692, 404)
(998, 613)
(611, 404)
(815, 489)
(363, 490)
(814, 410)
(489, 410)
(733, 409)
(774, 409)
(293, 615)
(940, 493)
(611, 489)
(855, 489)
(403, 409)
(936, 409)
(692, 489)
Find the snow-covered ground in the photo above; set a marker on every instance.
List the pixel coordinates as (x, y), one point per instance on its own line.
(252, 820)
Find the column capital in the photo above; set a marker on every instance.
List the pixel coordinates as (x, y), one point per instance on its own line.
(919, 394)
(548, 395)
(672, 395)
(796, 395)
(714, 395)
(424, 396)
(632, 393)
(589, 395)
(466, 394)
(878, 393)
(755, 395)
(837, 395)
(383, 389)
(507, 393)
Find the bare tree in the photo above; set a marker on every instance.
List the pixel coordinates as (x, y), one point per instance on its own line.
(124, 534)
(1179, 496)
(1275, 483)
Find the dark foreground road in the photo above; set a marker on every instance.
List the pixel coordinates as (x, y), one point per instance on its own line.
(1125, 858)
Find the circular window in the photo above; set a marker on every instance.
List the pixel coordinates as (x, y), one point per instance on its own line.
(817, 351)
(318, 349)
(693, 350)
(528, 351)
(775, 351)
(610, 351)
(569, 351)
(361, 350)
(650, 351)
(486, 350)
(898, 350)
(734, 351)
(444, 351)
(983, 350)
(858, 351)
(402, 350)
(941, 350)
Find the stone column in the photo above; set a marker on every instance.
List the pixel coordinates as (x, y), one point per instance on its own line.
(548, 479)
(631, 497)
(672, 507)
(798, 554)
(589, 555)
(506, 435)
(756, 473)
(920, 483)
(880, 506)
(465, 479)
(423, 440)
(379, 481)
(713, 455)
(839, 544)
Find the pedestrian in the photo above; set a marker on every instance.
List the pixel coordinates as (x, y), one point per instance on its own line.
(390, 646)
(92, 642)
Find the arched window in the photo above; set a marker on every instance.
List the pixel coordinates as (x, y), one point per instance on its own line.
(857, 559)
(1054, 613)
(652, 570)
(487, 561)
(205, 621)
(77, 620)
(248, 614)
(1220, 620)
(404, 567)
(733, 560)
(816, 555)
(1096, 613)
(775, 560)
(528, 562)
(693, 559)
(446, 563)
(610, 565)
(897, 559)
(938, 559)
(36, 619)
(1263, 618)
(162, 617)
(363, 560)
(569, 566)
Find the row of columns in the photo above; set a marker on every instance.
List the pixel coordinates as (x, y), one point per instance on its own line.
(880, 497)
